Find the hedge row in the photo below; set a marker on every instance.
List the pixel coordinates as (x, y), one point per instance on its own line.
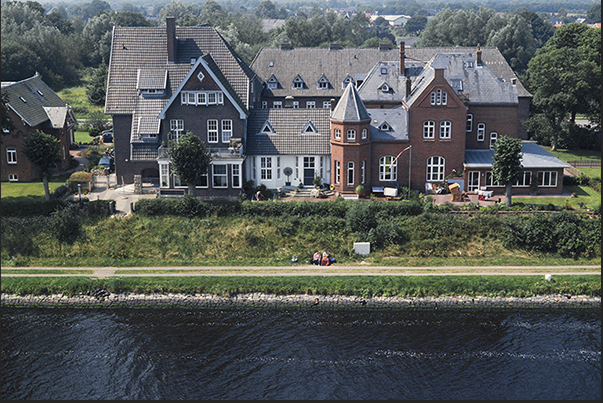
(191, 207)
(31, 208)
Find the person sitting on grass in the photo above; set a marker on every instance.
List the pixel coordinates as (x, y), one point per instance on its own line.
(325, 259)
(316, 258)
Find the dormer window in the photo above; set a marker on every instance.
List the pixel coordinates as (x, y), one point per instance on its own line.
(386, 127)
(309, 128)
(457, 85)
(383, 70)
(347, 80)
(298, 83)
(384, 87)
(267, 128)
(323, 83)
(272, 83)
(200, 76)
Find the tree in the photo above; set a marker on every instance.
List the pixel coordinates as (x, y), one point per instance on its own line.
(190, 160)
(565, 76)
(506, 163)
(416, 25)
(97, 86)
(593, 15)
(43, 151)
(7, 123)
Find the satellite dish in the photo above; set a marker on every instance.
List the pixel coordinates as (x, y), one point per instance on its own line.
(288, 171)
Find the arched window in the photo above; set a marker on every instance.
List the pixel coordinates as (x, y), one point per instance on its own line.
(388, 168)
(435, 169)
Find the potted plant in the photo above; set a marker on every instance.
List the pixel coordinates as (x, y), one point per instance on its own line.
(317, 181)
(360, 191)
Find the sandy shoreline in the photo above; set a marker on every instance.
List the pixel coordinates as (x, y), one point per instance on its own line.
(259, 300)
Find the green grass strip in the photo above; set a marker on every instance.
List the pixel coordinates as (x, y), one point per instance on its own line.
(45, 271)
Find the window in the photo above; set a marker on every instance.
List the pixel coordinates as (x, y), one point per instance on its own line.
(220, 175)
(337, 172)
(295, 105)
(481, 131)
(364, 133)
(323, 83)
(385, 127)
(493, 137)
(226, 130)
(445, 129)
(267, 128)
(176, 129)
(388, 168)
(310, 104)
(350, 173)
(526, 179)
(309, 128)
(490, 180)
(212, 130)
(266, 168)
(13, 178)
(363, 172)
(264, 104)
(435, 169)
(469, 126)
(326, 104)
(547, 178)
(351, 134)
(429, 129)
(383, 70)
(272, 83)
(11, 155)
(439, 97)
(201, 98)
(337, 134)
(298, 83)
(236, 176)
(203, 181)
(277, 104)
(346, 81)
(164, 175)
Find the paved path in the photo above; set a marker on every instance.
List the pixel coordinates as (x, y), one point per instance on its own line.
(308, 270)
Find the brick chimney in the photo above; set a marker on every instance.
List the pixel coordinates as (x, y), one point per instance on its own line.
(478, 56)
(170, 26)
(401, 46)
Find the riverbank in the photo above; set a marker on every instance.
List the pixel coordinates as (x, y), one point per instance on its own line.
(105, 299)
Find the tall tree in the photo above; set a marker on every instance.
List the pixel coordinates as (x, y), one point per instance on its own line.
(43, 151)
(190, 160)
(506, 163)
(97, 86)
(565, 76)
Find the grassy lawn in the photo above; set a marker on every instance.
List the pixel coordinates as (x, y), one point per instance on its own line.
(584, 194)
(82, 137)
(585, 155)
(77, 98)
(30, 189)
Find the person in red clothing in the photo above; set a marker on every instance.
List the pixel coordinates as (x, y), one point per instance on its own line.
(326, 261)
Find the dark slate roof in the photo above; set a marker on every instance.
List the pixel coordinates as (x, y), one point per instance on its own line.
(533, 156)
(30, 99)
(336, 64)
(350, 108)
(145, 48)
(288, 137)
(144, 118)
(396, 118)
(149, 79)
(371, 88)
(144, 152)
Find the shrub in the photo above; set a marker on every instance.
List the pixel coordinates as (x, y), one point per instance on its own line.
(27, 208)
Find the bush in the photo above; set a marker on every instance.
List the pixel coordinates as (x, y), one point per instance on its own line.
(28, 208)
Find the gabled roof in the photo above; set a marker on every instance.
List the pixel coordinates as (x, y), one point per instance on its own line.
(350, 107)
(533, 156)
(396, 118)
(145, 49)
(288, 137)
(371, 88)
(35, 103)
(356, 62)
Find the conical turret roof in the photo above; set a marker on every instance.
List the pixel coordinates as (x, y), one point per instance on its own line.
(350, 107)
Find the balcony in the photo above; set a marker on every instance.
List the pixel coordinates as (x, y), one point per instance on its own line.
(217, 154)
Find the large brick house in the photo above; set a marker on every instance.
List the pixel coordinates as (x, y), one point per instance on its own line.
(382, 117)
(32, 106)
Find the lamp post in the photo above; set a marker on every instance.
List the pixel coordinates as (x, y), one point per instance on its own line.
(79, 192)
(409, 148)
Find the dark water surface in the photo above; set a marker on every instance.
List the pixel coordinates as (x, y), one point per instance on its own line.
(300, 354)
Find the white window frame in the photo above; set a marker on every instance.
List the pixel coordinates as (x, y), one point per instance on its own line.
(350, 134)
(469, 124)
(436, 166)
(236, 175)
(11, 155)
(547, 179)
(226, 130)
(337, 134)
(164, 175)
(13, 178)
(310, 104)
(364, 134)
(326, 104)
(295, 104)
(388, 168)
(493, 138)
(264, 104)
(277, 104)
(525, 180)
(216, 175)
(445, 129)
(176, 129)
(337, 172)
(350, 173)
(481, 131)
(266, 168)
(362, 172)
(429, 130)
(212, 130)
(489, 181)
(298, 83)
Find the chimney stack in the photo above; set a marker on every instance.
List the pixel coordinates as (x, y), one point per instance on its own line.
(478, 56)
(401, 45)
(170, 24)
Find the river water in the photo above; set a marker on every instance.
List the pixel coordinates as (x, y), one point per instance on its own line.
(65, 353)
